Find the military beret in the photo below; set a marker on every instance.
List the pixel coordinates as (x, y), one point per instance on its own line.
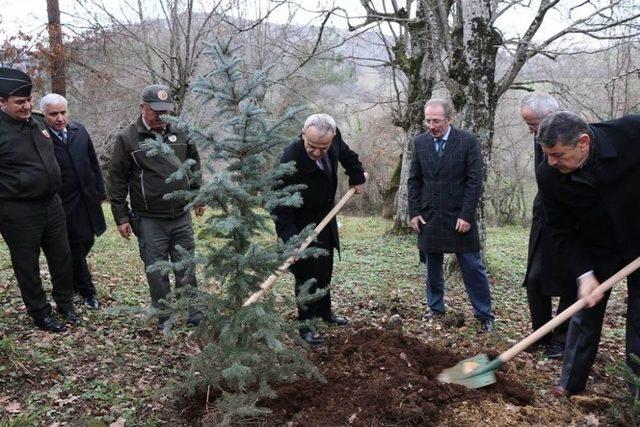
(158, 97)
(14, 82)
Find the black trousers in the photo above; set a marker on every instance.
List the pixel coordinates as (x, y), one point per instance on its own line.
(27, 227)
(585, 331)
(541, 306)
(321, 269)
(82, 282)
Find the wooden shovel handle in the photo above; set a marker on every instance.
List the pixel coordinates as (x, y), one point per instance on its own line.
(267, 284)
(570, 311)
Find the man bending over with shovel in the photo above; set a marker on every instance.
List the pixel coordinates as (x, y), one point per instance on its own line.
(316, 155)
(590, 186)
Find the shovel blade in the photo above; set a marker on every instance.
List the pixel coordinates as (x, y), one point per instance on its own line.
(475, 372)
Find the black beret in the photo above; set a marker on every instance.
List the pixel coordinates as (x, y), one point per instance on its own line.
(14, 82)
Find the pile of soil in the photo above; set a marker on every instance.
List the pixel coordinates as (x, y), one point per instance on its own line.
(380, 376)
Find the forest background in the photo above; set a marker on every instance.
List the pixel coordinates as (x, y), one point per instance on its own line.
(372, 65)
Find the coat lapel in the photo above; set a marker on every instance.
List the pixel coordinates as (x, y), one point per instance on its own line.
(71, 133)
(432, 156)
(448, 148)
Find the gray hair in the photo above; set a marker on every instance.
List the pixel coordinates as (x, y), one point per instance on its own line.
(52, 99)
(324, 123)
(446, 106)
(540, 104)
(562, 127)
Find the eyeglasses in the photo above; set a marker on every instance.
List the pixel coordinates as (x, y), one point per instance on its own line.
(435, 122)
(532, 126)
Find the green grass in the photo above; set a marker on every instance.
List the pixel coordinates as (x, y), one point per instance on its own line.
(117, 365)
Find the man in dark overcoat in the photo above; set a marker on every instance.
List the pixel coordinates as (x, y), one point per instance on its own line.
(545, 276)
(590, 188)
(31, 214)
(82, 190)
(444, 185)
(316, 155)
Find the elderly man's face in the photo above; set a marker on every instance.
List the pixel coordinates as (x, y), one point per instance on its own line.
(56, 116)
(152, 118)
(436, 121)
(566, 158)
(17, 107)
(315, 143)
(530, 119)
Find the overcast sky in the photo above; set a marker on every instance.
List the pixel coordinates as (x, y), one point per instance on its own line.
(30, 16)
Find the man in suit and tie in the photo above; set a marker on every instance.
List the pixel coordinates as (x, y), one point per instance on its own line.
(316, 155)
(590, 187)
(444, 185)
(545, 277)
(82, 190)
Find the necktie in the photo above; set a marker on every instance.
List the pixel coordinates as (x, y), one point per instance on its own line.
(439, 146)
(63, 136)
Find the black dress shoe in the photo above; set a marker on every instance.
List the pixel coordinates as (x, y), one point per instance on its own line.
(336, 319)
(433, 315)
(92, 302)
(555, 350)
(486, 325)
(49, 324)
(163, 323)
(71, 317)
(559, 392)
(194, 319)
(312, 338)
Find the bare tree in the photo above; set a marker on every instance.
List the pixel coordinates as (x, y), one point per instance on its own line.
(457, 44)
(56, 49)
(151, 41)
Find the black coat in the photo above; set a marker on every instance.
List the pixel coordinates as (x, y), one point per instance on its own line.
(443, 189)
(28, 168)
(555, 279)
(319, 195)
(82, 189)
(592, 224)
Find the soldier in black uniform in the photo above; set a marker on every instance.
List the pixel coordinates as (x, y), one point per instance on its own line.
(31, 214)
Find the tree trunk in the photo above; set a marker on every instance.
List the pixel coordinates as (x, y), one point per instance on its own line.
(56, 49)
(418, 65)
(401, 217)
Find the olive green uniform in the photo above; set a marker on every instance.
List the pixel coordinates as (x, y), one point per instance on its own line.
(31, 213)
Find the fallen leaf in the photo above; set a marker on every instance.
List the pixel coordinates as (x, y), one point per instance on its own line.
(13, 407)
(591, 420)
(120, 422)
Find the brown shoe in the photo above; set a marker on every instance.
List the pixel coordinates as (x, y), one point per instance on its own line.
(559, 392)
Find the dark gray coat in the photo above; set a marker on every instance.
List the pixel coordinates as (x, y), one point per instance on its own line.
(443, 189)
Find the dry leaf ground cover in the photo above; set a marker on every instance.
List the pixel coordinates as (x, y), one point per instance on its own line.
(116, 367)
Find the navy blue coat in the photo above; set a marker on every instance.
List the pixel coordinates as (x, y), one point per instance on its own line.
(82, 189)
(443, 189)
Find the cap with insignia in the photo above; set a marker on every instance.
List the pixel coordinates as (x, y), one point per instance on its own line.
(14, 82)
(158, 97)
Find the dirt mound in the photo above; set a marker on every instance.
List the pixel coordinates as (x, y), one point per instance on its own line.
(381, 377)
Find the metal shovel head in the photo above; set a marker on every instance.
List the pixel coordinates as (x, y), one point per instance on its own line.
(474, 372)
